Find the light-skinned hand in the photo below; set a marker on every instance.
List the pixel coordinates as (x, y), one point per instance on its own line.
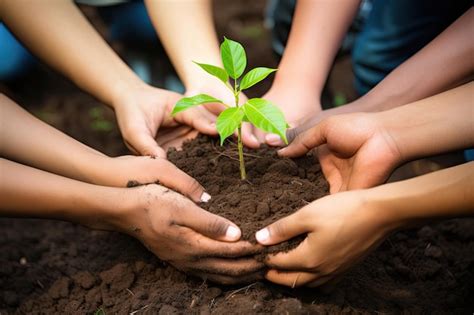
(355, 150)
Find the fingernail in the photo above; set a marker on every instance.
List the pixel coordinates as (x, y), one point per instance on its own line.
(272, 138)
(232, 232)
(205, 197)
(262, 235)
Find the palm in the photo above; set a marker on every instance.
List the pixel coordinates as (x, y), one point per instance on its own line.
(357, 155)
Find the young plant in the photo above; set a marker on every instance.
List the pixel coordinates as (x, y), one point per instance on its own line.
(258, 111)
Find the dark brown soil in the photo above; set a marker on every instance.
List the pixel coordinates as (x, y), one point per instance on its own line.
(275, 187)
(50, 267)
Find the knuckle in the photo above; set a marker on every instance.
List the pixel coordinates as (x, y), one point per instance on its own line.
(278, 230)
(217, 227)
(193, 187)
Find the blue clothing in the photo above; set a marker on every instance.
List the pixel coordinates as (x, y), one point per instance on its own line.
(394, 31)
(127, 22)
(15, 60)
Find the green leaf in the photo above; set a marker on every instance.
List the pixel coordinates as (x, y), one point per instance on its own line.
(254, 76)
(233, 57)
(228, 121)
(266, 116)
(218, 72)
(187, 102)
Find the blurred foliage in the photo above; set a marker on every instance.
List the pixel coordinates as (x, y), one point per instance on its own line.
(99, 122)
(253, 31)
(99, 311)
(339, 99)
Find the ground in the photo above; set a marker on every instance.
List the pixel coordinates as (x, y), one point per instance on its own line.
(58, 267)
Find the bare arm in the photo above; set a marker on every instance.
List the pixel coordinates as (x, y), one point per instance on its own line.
(343, 228)
(187, 32)
(360, 150)
(445, 62)
(316, 34)
(169, 225)
(58, 33)
(26, 139)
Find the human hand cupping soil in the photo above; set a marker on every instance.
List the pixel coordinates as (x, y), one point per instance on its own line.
(341, 230)
(188, 237)
(355, 150)
(144, 111)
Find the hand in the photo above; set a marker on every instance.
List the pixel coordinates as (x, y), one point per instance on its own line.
(175, 137)
(354, 150)
(342, 229)
(188, 237)
(218, 90)
(142, 110)
(298, 105)
(129, 171)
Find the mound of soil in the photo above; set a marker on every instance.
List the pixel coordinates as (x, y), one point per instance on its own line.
(275, 187)
(50, 267)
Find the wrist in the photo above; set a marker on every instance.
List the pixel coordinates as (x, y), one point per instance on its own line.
(379, 208)
(111, 208)
(124, 90)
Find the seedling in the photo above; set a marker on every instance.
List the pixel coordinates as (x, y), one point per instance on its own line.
(258, 111)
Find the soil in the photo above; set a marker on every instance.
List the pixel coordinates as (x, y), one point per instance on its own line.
(275, 187)
(51, 267)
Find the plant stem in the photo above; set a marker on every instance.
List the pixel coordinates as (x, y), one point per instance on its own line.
(243, 174)
(240, 147)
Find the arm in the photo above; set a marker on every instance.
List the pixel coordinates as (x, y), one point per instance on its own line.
(28, 140)
(59, 34)
(187, 32)
(360, 150)
(344, 228)
(316, 34)
(169, 225)
(442, 64)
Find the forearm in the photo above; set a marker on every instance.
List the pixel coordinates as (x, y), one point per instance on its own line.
(444, 63)
(316, 34)
(57, 32)
(187, 32)
(26, 139)
(29, 192)
(443, 194)
(433, 125)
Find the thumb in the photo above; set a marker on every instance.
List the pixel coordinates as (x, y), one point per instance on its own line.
(144, 144)
(199, 119)
(283, 229)
(208, 224)
(305, 141)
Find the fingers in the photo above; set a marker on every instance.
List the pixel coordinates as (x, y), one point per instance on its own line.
(143, 144)
(331, 171)
(295, 279)
(178, 142)
(283, 229)
(169, 134)
(200, 119)
(274, 140)
(305, 141)
(210, 225)
(171, 176)
(299, 258)
(248, 137)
